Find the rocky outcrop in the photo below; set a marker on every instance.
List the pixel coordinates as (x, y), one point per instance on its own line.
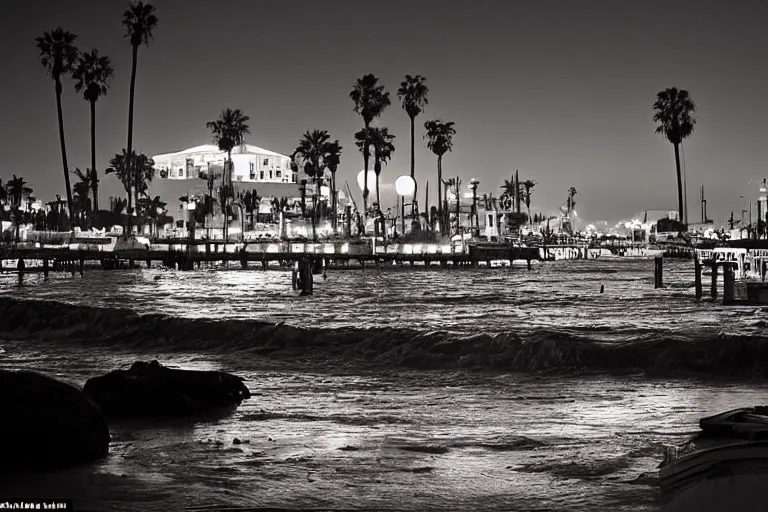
(46, 424)
(153, 390)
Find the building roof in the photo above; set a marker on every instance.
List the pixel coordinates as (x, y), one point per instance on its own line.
(245, 149)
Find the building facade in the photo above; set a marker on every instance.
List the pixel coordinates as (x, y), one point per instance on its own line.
(251, 164)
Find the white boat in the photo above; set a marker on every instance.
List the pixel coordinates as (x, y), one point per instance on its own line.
(724, 468)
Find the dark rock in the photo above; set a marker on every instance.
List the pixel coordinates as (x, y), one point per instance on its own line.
(151, 389)
(47, 425)
(236, 441)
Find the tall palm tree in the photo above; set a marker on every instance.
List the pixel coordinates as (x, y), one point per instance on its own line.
(440, 141)
(144, 172)
(59, 56)
(312, 154)
(673, 111)
(413, 97)
(139, 21)
(333, 159)
(370, 101)
(228, 132)
(92, 76)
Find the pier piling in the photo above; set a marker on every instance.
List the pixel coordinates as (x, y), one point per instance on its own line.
(697, 277)
(729, 280)
(658, 270)
(714, 280)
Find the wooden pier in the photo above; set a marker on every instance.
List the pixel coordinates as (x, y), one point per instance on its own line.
(186, 255)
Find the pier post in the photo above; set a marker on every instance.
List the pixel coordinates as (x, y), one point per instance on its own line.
(697, 277)
(714, 280)
(762, 269)
(82, 266)
(21, 266)
(728, 283)
(45, 268)
(528, 261)
(658, 279)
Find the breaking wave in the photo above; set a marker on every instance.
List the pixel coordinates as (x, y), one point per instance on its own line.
(634, 350)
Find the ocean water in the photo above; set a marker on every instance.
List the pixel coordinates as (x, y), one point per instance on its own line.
(406, 389)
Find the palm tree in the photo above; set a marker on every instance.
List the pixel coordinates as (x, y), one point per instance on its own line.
(509, 191)
(152, 209)
(139, 21)
(370, 101)
(279, 207)
(333, 159)
(228, 132)
(59, 56)
(17, 188)
(673, 111)
(92, 76)
(134, 173)
(413, 97)
(571, 202)
(380, 141)
(527, 187)
(312, 154)
(440, 141)
(118, 165)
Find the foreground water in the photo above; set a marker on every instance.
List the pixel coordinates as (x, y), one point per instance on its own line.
(336, 425)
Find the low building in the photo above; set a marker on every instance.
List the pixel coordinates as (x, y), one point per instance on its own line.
(251, 164)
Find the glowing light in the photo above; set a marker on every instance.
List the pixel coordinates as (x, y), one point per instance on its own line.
(361, 179)
(405, 186)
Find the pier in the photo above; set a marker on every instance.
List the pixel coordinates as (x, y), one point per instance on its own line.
(186, 254)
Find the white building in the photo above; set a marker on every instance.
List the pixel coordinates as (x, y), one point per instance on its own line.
(251, 164)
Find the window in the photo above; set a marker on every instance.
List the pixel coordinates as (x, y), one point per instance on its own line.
(181, 172)
(252, 174)
(261, 175)
(266, 162)
(293, 177)
(278, 173)
(270, 174)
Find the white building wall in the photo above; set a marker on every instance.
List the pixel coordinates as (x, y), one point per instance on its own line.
(248, 167)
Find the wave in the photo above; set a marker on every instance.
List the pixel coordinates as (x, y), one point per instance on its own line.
(639, 350)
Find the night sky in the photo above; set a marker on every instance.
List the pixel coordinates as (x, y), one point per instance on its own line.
(561, 90)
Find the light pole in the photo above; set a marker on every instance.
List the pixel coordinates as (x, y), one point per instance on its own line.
(405, 186)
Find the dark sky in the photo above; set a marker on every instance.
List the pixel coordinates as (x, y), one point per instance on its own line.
(561, 90)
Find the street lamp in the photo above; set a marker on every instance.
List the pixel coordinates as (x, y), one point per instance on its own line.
(405, 186)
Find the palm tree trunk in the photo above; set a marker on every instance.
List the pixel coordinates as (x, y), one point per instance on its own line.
(439, 193)
(129, 146)
(413, 165)
(60, 114)
(333, 201)
(93, 158)
(679, 183)
(365, 181)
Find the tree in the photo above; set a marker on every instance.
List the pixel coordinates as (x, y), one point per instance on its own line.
(413, 97)
(16, 190)
(92, 75)
(134, 173)
(313, 154)
(673, 111)
(380, 140)
(440, 141)
(139, 21)
(83, 188)
(59, 56)
(570, 201)
(152, 209)
(370, 101)
(228, 132)
(527, 187)
(333, 159)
